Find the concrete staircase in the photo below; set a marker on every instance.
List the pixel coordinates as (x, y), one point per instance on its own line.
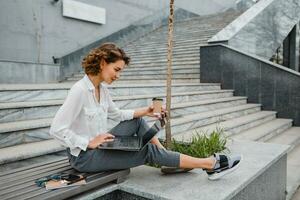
(26, 111)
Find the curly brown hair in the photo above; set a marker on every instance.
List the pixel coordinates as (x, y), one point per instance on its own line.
(107, 51)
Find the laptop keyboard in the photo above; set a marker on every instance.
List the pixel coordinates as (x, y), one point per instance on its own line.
(124, 142)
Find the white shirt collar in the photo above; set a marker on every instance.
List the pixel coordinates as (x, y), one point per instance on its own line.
(89, 83)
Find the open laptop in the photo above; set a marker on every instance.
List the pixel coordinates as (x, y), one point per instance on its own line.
(133, 143)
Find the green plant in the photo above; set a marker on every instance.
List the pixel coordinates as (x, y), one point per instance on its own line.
(202, 144)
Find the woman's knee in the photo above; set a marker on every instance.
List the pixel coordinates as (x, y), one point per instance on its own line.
(161, 156)
(152, 153)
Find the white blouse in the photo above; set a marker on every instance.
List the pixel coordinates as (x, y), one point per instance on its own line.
(82, 117)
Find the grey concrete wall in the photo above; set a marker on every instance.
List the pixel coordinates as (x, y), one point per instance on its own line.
(35, 30)
(273, 182)
(262, 28)
(275, 87)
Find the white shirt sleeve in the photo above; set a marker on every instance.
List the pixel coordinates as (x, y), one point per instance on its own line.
(115, 113)
(60, 127)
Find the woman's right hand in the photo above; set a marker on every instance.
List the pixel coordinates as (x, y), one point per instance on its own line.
(100, 139)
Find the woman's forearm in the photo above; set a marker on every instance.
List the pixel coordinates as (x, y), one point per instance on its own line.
(141, 112)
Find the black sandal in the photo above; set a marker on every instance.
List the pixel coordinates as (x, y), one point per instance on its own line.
(174, 170)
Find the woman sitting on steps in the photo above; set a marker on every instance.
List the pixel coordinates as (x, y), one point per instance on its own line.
(81, 124)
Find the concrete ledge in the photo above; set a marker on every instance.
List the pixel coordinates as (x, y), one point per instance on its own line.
(262, 175)
(28, 72)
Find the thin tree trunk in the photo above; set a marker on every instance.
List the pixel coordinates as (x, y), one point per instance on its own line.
(169, 73)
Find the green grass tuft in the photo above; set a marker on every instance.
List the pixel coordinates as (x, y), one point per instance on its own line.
(202, 144)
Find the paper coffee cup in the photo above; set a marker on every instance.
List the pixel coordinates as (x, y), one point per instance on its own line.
(157, 104)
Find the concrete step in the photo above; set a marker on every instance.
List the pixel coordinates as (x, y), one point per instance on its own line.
(190, 28)
(60, 155)
(27, 131)
(184, 74)
(163, 55)
(163, 42)
(162, 70)
(144, 78)
(191, 107)
(156, 88)
(149, 65)
(162, 36)
(24, 151)
(24, 125)
(194, 57)
(231, 126)
(164, 64)
(153, 71)
(208, 21)
(137, 81)
(186, 124)
(34, 92)
(180, 97)
(162, 46)
(185, 30)
(164, 49)
(159, 35)
(290, 137)
(146, 58)
(177, 53)
(265, 131)
(18, 111)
